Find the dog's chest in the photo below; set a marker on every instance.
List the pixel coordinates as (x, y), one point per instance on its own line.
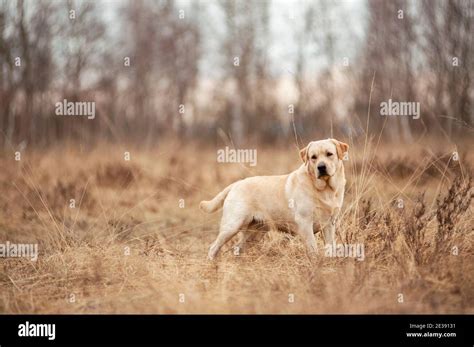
(326, 202)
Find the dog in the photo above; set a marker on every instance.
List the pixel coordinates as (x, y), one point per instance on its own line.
(312, 193)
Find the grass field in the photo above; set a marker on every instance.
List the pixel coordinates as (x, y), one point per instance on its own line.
(136, 242)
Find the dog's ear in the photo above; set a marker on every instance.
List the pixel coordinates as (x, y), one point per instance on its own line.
(341, 148)
(304, 154)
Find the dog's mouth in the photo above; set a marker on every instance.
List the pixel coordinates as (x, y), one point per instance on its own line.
(324, 176)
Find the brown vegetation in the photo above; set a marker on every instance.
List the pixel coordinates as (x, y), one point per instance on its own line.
(423, 250)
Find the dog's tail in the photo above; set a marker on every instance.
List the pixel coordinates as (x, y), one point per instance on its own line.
(216, 203)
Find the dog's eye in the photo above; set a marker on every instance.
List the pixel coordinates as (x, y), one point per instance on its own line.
(329, 154)
(314, 157)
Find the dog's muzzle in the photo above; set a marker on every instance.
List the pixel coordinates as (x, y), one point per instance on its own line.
(322, 170)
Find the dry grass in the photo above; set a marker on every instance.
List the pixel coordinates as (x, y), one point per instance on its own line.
(135, 206)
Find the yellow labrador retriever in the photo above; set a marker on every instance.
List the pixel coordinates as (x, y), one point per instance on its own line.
(312, 193)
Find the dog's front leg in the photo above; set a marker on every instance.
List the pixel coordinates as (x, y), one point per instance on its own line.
(305, 230)
(329, 228)
(329, 232)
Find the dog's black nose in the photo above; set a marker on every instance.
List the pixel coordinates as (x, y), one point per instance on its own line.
(322, 168)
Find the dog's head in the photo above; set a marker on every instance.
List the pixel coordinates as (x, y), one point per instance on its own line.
(323, 157)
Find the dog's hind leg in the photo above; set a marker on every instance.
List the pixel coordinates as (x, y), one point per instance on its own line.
(246, 235)
(249, 234)
(230, 225)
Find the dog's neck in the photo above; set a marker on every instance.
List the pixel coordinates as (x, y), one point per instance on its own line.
(338, 176)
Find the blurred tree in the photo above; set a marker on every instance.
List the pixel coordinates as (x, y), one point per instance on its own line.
(164, 47)
(448, 47)
(387, 55)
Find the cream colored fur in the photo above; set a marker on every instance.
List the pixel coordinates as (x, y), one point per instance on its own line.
(301, 198)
